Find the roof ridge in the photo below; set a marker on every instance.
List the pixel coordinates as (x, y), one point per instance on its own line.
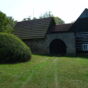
(64, 24)
(36, 19)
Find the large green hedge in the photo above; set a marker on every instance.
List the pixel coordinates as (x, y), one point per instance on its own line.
(12, 49)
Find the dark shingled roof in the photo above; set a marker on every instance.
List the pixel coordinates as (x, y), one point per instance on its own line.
(81, 25)
(63, 27)
(38, 28)
(32, 29)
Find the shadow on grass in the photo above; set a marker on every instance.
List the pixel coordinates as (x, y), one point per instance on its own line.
(43, 55)
(77, 56)
(14, 62)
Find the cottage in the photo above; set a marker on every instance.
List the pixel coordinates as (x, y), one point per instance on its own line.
(44, 36)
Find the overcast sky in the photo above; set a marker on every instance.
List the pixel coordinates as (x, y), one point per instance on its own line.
(68, 10)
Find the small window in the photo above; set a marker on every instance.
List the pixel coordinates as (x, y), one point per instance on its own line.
(84, 47)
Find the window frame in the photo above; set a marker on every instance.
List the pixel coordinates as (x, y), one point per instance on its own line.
(85, 47)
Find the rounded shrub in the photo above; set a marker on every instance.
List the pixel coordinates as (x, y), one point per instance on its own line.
(12, 49)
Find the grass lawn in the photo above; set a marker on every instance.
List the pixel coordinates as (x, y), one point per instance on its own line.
(46, 72)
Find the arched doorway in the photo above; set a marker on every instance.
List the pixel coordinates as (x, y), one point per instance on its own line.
(57, 47)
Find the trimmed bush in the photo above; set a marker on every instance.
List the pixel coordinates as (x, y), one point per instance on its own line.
(12, 49)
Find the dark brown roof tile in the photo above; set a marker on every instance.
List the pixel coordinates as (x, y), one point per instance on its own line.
(63, 27)
(32, 29)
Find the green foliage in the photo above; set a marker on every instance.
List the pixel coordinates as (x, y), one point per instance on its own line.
(27, 19)
(34, 18)
(6, 23)
(11, 24)
(58, 20)
(46, 15)
(12, 49)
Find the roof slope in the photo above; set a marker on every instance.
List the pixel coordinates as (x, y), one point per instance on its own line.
(63, 27)
(81, 24)
(84, 14)
(32, 29)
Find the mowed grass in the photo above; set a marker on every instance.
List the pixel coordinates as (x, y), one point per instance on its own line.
(46, 72)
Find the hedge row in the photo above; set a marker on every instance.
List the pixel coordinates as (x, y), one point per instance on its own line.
(12, 49)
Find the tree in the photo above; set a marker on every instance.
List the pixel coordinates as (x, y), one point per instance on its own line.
(34, 18)
(58, 20)
(27, 19)
(6, 23)
(49, 14)
(46, 15)
(11, 24)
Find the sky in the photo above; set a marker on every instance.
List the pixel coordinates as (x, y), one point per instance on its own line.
(67, 10)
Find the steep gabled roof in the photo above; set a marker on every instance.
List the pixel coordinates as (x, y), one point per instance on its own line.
(81, 24)
(32, 29)
(84, 14)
